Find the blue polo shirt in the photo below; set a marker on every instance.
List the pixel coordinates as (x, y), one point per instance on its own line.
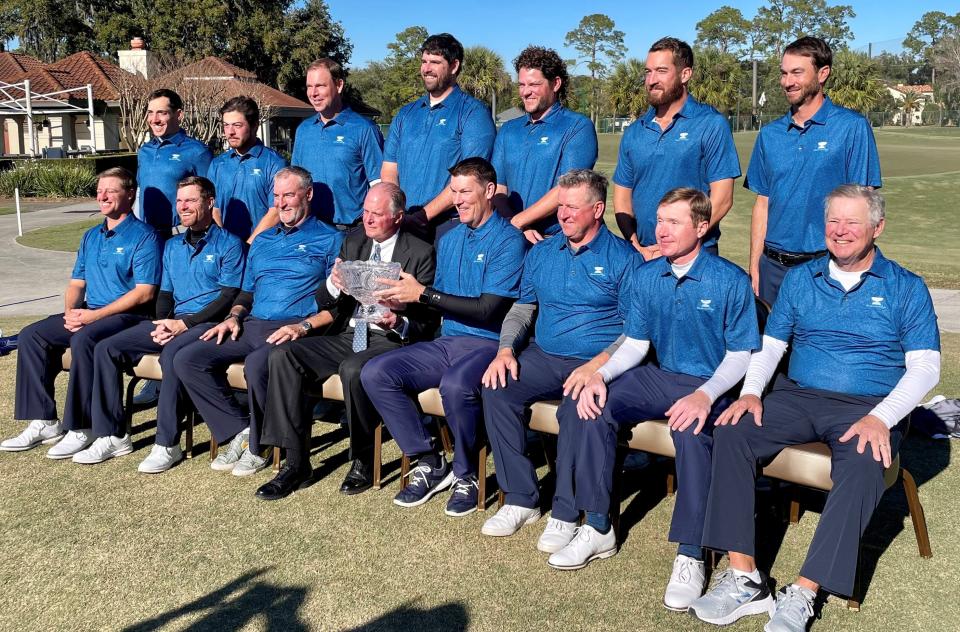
(244, 185)
(344, 157)
(692, 322)
(796, 167)
(195, 275)
(112, 262)
(485, 260)
(530, 156)
(695, 149)
(425, 141)
(583, 296)
(853, 342)
(285, 268)
(161, 164)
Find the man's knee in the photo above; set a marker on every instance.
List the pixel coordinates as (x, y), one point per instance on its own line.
(377, 372)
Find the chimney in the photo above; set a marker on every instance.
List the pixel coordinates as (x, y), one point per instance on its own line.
(138, 60)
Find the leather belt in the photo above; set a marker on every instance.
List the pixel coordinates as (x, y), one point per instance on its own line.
(791, 259)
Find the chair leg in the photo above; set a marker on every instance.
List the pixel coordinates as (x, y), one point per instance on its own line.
(916, 513)
(213, 448)
(501, 498)
(616, 492)
(377, 455)
(189, 421)
(404, 470)
(445, 437)
(128, 404)
(482, 479)
(671, 483)
(550, 452)
(276, 459)
(794, 511)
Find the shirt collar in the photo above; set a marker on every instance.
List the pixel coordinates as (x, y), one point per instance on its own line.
(175, 139)
(594, 244)
(696, 270)
(340, 118)
(691, 107)
(455, 95)
(119, 228)
(819, 117)
(388, 242)
(880, 267)
(255, 151)
(553, 110)
(494, 220)
(304, 225)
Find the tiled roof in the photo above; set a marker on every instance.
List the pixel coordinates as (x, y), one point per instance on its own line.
(921, 89)
(212, 67)
(14, 65)
(79, 69)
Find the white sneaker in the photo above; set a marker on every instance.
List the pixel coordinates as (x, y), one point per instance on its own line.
(249, 463)
(587, 544)
(508, 520)
(72, 442)
(161, 459)
(227, 457)
(686, 584)
(556, 536)
(37, 431)
(104, 448)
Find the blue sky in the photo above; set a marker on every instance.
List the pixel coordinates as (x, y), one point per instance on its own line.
(508, 26)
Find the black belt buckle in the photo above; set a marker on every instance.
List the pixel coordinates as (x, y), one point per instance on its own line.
(791, 259)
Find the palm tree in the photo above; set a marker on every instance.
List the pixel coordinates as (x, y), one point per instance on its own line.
(716, 79)
(911, 101)
(484, 75)
(627, 95)
(855, 81)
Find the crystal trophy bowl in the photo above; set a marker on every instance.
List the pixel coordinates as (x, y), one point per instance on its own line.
(360, 280)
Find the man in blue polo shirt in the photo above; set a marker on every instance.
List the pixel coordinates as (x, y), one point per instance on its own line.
(112, 286)
(430, 135)
(243, 175)
(341, 149)
(679, 142)
(166, 159)
(479, 264)
(577, 286)
(284, 267)
(866, 350)
(202, 269)
(796, 161)
(532, 152)
(698, 312)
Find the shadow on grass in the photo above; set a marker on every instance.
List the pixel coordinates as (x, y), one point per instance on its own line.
(445, 618)
(234, 605)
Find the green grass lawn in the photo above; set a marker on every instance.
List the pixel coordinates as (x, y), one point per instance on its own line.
(105, 548)
(65, 237)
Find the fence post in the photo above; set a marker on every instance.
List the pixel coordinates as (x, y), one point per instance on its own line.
(16, 197)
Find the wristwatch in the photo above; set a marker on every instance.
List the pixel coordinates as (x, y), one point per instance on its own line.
(428, 296)
(306, 326)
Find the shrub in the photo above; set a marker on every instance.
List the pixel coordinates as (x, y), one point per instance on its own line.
(49, 178)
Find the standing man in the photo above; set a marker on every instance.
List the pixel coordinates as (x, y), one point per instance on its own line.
(679, 142)
(479, 263)
(303, 360)
(243, 175)
(866, 350)
(112, 287)
(166, 159)
(285, 266)
(432, 134)
(202, 269)
(796, 161)
(698, 313)
(531, 153)
(577, 287)
(341, 149)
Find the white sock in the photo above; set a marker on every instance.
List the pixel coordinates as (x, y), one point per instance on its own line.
(809, 594)
(754, 576)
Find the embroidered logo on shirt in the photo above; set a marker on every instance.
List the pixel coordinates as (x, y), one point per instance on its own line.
(442, 122)
(683, 136)
(302, 248)
(706, 305)
(876, 301)
(256, 172)
(339, 139)
(119, 250)
(209, 258)
(821, 146)
(544, 140)
(597, 271)
(175, 157)
(479, 257)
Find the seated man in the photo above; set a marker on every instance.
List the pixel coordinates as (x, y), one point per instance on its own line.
(866, 350)
(202, 269)
(478, 276)
(304, 361)
(285, 266)
(698, 312)
(112, 288)
(576, 284)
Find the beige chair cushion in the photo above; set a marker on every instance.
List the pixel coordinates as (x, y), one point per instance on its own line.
(65, 361)
(235, 376)
(808, 464)
(333, 388)
(543, 417)
(431, 403)
(653, 436)
(148, 368)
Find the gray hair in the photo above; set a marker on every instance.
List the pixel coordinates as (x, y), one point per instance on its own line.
(398, 199)
(595, 182)
(306, 180)
(875, 202)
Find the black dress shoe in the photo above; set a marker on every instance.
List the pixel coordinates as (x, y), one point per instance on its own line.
(287, 481)
(358, 479)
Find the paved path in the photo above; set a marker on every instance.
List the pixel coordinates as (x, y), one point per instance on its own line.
(32, 281)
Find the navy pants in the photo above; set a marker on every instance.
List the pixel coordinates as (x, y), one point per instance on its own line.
(122, 352)
(39, 361)
(644, 392)
(455, 364)
(202, 368)
(794, 415)
(771, 277)
(541, 377)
